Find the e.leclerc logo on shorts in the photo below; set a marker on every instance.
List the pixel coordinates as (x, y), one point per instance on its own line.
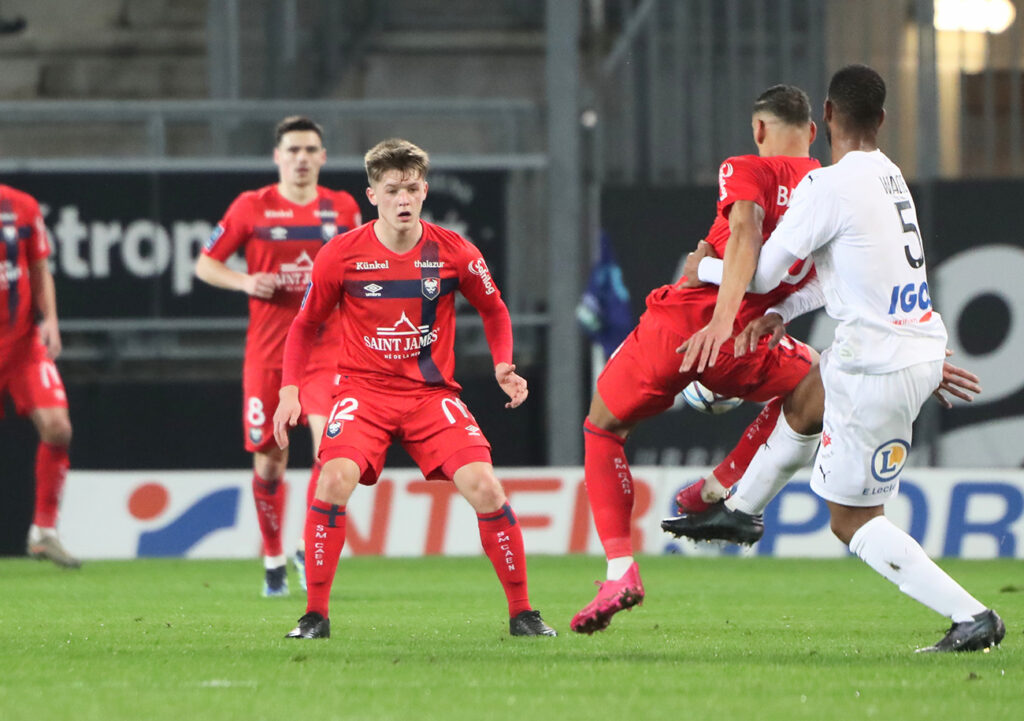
(889, 459)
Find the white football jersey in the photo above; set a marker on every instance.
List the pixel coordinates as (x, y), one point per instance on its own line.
(857, 220)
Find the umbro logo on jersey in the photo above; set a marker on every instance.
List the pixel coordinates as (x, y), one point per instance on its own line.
(268, 213)
(278, 233)
(473, 431)
(372, 290)
(371, 265)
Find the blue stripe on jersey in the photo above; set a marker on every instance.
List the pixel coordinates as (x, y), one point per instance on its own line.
(378, 288)
(289, 232)
(428, 313)
(11, 237)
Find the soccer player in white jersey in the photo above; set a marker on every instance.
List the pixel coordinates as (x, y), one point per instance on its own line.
(856, 220)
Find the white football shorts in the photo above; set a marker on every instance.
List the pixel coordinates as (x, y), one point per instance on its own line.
(868, 430)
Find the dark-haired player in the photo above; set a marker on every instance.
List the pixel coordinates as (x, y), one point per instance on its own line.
(27, 354)
(280, 229)
(642, 378)
(394, 280)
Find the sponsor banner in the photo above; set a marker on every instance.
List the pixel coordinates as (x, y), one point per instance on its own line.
(210, 514)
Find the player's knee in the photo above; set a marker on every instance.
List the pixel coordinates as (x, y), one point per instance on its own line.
(336, 483)
(840, 529)
(603, 418)
(482, 489)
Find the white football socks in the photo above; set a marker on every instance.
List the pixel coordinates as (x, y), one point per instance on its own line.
(783, 454)
(898, 557)
(617, 567)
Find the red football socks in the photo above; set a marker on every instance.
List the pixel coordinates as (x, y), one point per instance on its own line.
(502, 539)
(51, 470)
(732, 467)
(314, 477)
(269, 496)
(324, 535)
(609, 487)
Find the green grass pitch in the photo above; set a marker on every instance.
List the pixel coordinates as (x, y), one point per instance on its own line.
(716, 639)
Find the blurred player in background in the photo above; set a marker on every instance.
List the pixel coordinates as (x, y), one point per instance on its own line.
(395, 280)
(856, 219)
(29, 344)
(280, 228)
(642, 378)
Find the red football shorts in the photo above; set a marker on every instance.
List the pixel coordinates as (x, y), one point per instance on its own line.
(642, 377)
(316, 394)
(260, 388)
(32, 380)
(433, 424)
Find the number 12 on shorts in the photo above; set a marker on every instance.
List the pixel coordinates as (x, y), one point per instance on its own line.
(343, 410)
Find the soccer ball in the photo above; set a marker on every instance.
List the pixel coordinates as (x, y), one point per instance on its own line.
(701, 398)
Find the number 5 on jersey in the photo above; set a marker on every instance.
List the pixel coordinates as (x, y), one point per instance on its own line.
(343, 410)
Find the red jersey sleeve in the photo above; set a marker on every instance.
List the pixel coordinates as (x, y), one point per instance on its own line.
(323, 294)
(233, 230)
(740, 178)
(38, 243)
(351, 210)
(477, 285)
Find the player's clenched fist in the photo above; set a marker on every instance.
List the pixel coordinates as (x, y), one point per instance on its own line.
(260, 285)
(287, 414)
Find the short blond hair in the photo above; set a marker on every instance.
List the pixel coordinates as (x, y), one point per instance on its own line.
(395, 154)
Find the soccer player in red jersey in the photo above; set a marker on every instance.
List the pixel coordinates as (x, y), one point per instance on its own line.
(27, 352)
(395, 280)
(643, 377)
(280, 228)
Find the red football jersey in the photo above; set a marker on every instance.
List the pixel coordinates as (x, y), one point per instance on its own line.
(283, 238)
(398, 310)
(24, 242)
(769, 182)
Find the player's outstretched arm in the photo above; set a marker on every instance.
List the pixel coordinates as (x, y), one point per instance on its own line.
(289, 409)
(957, 382)
(741, 252)
(512, 383)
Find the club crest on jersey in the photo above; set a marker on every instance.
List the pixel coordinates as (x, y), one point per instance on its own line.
(256, 435)
(888, 459)
(328, 231)
(431, 288)
(334, 428)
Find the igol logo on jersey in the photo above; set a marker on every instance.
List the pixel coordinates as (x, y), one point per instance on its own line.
(431, 288)
(889, 459)
(334, 428)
